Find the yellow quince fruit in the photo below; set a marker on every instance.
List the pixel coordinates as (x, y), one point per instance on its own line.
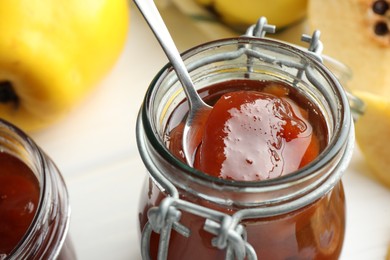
(388, 253)
(242, 13)
(53, 52)
(356, 33)
(373, 134)
(350, 32)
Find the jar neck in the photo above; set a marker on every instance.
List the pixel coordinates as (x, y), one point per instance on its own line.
(46, 233)
(226, 59)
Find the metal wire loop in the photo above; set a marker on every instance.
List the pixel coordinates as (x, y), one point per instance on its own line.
(163, 214)
(315, 45)
(260, 29)
(230, 236)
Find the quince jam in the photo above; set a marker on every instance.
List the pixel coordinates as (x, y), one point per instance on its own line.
(19, 197)
(257, 130)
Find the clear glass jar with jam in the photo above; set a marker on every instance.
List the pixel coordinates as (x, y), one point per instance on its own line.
(294, 206)
(34, 202)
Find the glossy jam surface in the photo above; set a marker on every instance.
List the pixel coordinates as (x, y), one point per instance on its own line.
(19, 197)
(256, 130)
(254, 135)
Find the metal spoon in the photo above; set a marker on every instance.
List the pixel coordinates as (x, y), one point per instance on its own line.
(198, 109)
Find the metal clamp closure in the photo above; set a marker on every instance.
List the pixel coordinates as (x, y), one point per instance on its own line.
(230, 234)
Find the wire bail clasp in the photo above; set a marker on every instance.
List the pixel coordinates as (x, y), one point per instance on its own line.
(162, 219)
(315, 45)
(260, 29)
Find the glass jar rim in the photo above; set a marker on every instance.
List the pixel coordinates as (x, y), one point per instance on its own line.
(337, 141)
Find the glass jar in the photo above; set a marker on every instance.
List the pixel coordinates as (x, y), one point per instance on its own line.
(186, 214)
(46, 237)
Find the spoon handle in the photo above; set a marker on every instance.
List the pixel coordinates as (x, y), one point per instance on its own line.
(156, 23)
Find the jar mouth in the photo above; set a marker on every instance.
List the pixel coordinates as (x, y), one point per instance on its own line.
(336, 142)
(15, 142)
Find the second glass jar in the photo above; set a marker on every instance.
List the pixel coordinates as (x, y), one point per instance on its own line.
(47, 235)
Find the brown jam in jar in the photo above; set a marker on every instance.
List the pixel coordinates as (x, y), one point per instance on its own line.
(257, 130)
(19, 196)
(34, 206)
(266, 181)
(313, 232)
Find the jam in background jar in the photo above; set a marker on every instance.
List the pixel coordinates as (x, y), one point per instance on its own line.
(19, 198)
(34, 203)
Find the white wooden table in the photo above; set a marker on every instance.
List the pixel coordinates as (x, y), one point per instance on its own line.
(96, 151)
